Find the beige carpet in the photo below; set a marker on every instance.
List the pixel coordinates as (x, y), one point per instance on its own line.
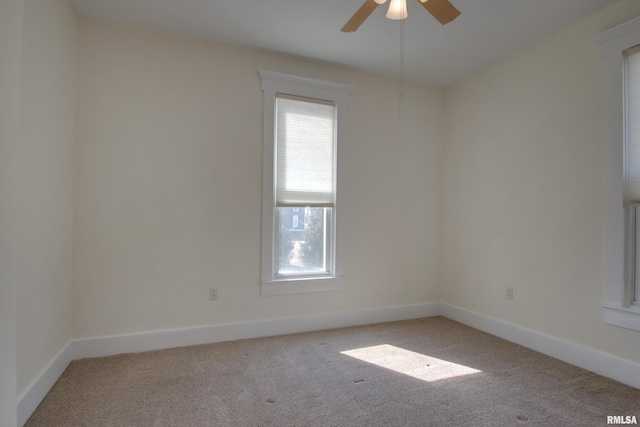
(426, 372)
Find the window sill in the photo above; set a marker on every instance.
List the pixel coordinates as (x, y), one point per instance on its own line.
(626, 317)
(301, 285)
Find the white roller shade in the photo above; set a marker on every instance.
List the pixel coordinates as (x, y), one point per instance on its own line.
(305, 152)
(633, 126)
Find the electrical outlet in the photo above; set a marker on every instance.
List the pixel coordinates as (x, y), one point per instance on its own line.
(509, 294)
(213, 294)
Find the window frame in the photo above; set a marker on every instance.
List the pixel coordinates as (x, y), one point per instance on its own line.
(619, 308)
(274, 83)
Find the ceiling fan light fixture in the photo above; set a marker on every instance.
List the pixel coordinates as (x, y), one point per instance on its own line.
(384, 1)
(397, 9)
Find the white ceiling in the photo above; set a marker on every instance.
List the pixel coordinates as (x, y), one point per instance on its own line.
(487, 30)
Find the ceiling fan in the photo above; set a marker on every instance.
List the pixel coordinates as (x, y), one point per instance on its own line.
(442, 10)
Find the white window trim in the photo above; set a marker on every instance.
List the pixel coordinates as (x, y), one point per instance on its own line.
(618, 308)
(274, 83)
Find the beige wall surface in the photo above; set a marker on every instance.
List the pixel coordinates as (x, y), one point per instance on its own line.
(523, 189)
(45, 196)
(10, 48)
(168, 185)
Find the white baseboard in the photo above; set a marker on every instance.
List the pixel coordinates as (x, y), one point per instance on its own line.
(597, 361)
(156, 340)
(29, 400)
(600, 362)
(31, 397)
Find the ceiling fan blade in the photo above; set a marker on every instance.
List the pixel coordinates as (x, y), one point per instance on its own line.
(358, 18)
(442, 10)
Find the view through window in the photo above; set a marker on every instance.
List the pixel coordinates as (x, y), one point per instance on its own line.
(302, 240)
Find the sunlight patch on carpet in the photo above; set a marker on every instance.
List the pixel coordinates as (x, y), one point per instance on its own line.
(410, 363)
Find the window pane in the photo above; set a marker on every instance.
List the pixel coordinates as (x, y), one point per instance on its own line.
(302, 240)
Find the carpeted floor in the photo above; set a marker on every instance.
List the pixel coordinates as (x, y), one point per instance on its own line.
(426, 372)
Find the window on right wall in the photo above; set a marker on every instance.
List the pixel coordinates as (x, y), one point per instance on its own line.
(621, 48)
(632, 160)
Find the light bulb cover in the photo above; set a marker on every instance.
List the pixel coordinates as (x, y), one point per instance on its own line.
(382, 1)
(397, 9)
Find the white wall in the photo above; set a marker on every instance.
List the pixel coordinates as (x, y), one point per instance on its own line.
(45, 194)
(524, 189)
(168, 186)
(10, 48)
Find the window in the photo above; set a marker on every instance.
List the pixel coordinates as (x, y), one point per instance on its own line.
(622, 198)
(632, 164)
(303, 199)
